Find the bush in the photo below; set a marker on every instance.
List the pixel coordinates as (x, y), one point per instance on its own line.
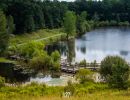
(28, 50)
(126, 23)
(44, 61)
(55, 56)
(113, 23)
(92, 24)
(83, 63)
(103, 23)
(41, 62)
(69, 88)
(115, 70)
(2, 81)
(55, 66)
(84, 75)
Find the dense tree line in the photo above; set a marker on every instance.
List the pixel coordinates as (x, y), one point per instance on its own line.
(4, 36)
(31, 15)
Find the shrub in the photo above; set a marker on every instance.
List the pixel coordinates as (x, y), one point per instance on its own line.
(113, 23)
(92, 24)
(84, 75)
(104, 23)
(126, 23)
(115, 70)
(83, 63)
(41, 62)
(69, 88)
(2, 81)
(28, 50)
(55, 66)
(44, 61)
(55, 56)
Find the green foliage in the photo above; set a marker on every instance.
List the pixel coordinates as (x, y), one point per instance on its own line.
(116, 72)
(55, 56)
(2, 22)
(113, 23)
(4, 36)
(38, 35)
(103, 23)
(84, 75)
(55, 66)
(82, 25)
(41, 62)
(2, 81)
(4, 60)
(71, 50)
(70, 88)
(44, 61)
(29, 24)
(70, 23)
(85, 27)
(83, 63)
(4, 39)
(126, 23)
(30, 49)
(95, 17)
(11, 25)
(31, 15)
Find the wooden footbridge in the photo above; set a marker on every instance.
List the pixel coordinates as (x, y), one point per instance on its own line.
(73, 68)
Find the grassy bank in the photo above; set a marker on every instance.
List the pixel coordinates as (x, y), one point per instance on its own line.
(46, 35)
(81, 92)
(104, 95)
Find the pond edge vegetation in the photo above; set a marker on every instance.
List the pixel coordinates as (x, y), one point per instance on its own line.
(72, 22)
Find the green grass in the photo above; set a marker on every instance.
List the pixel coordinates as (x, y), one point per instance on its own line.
(98, 95)
(4, 60)
(44, 33)
(89, 91)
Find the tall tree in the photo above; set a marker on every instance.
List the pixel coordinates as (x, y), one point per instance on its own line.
(115, 71)
(11, 25)
(38, 17)
(70, 23)
(29, 24)
(3, 32)
(82, 24)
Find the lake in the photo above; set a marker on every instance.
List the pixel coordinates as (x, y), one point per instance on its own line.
(94, 45)
(98, 44)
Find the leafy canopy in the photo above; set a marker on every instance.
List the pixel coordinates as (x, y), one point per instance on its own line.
(70, 23)
(115, 70)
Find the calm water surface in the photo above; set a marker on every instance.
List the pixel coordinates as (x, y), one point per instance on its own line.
(94, 45)
(99, 43)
